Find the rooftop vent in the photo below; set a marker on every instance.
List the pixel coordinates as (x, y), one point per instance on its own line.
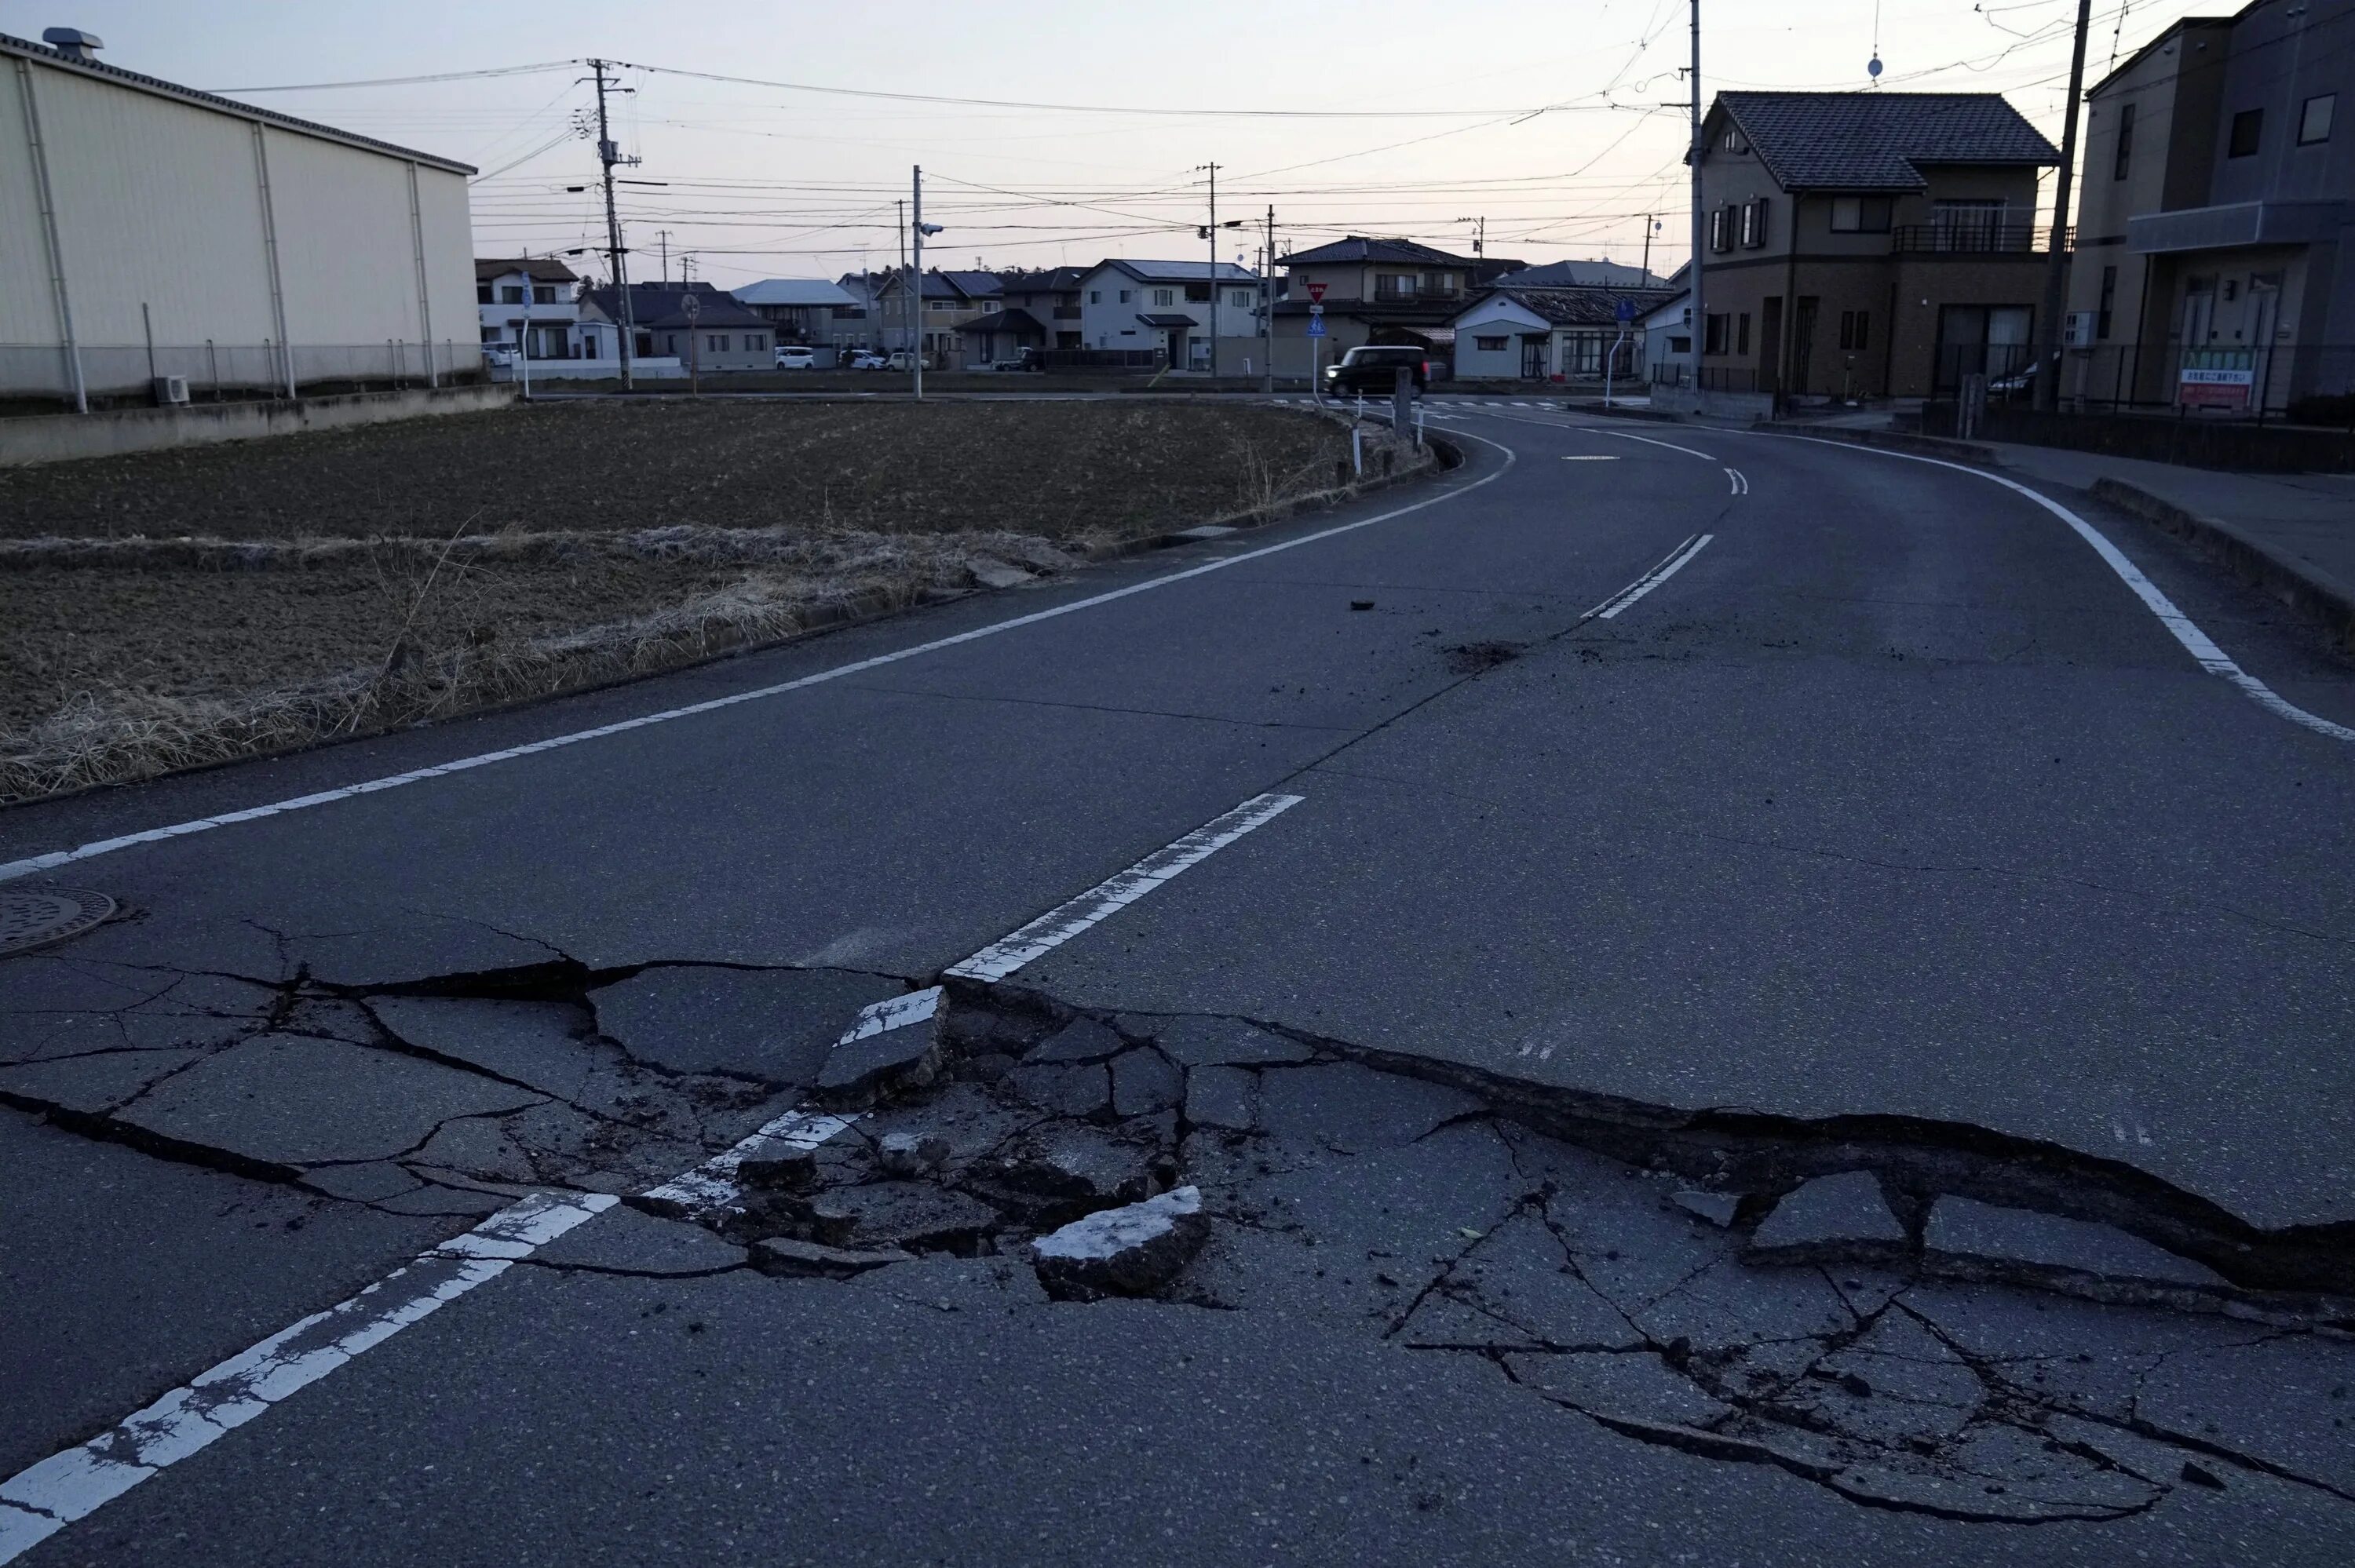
(73, 43)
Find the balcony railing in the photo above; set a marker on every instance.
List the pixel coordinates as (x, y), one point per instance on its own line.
(1975, 239)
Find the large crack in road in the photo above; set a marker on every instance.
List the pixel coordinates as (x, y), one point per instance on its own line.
(1915, 1316)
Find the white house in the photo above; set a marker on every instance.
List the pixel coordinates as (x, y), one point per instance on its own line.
(541, 297)
(1667, 342)
(812, 310)
(1168, 307)
(1551, 334)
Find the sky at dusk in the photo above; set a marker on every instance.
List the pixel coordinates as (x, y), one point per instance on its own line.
(1561, 122)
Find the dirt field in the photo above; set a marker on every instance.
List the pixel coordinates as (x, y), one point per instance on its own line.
(1055, 468)
(180, 608)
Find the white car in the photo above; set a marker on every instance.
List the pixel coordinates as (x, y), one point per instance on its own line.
(797, 356)
(902, 359)
(867, 359)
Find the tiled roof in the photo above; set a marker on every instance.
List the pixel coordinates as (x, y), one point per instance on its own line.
(1881, 140)
(545, 268)
(1358, 247)
(1179, 272)
(658, 306)
(794, 291)
(1575, 307)
(1013, 319)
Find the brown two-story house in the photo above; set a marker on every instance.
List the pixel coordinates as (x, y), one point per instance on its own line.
(1901, 227)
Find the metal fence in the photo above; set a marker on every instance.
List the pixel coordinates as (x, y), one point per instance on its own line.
(2300, 383)
(43, 377)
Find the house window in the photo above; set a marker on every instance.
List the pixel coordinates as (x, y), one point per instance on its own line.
(755, 342)
(2125, 140)
(483, 294)
(1970, 225)
(1165, 296)
(1713, 337)
(543, 293)
(2109, 300)
(2314, 119)
(1742, 333)
(511, 293)
(1095, 296)
(1241, 298)
(1681, 344)
(1736, 142)
(1395, 285)
(1860, 215)
(1720, 229)
(2248, 130)
(716, 342)
(1753, 224)
(1124, 295)
(1490, 344)
(1198, 293)
(1856, 330)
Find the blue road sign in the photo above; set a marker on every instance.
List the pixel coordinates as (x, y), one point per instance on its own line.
(1316, 327)
(1626, 311)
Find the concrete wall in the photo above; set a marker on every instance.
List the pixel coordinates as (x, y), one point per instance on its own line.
(59, 436)
(160, 203)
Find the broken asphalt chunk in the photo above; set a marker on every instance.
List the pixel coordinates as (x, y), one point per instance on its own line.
(789, 1259)
(1717, 1208)
(1346, 1107)
(1962, 1228)
(1829, 1217)
(1065, 1171)
(1082, 1040)
(1144, 1083)
(859, 1072)
(1068, 1089)
(901, 1214)
(1130, 1251)
(1222, 1097)
(1228, 1041)
(777, 1025)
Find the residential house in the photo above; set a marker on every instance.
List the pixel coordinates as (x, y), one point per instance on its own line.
(1511, 332)
(1667, 328)
(539, 297)
(2218, 213)
(1174, 308)
(950, 301)
(1898, 229)
(802, 311)
(1050, 296)
(1375, 291)
(998, 337)
(861, 323)
(715, 335)
(1581, 275)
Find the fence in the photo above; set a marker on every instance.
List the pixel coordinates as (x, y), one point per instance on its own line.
(2299, 383)
(40, 377)
(1677, 372)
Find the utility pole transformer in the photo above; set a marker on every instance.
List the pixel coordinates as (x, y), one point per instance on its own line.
(2056, 266)
(609, 155)
(1699, 218)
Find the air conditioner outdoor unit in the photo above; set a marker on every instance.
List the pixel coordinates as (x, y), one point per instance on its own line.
(171, 390)
(2079, 331)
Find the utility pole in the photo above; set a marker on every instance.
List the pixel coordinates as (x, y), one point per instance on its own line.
(665, 235)
(1267, 310)
(1699, 218)
(2056, 265)
(916, 230)
(1480, 237)
(900, 207)
(1212, 235)
(608, 154)
(1651, 222)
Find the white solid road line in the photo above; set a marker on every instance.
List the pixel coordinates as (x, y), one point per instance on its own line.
(2196, 642)
(1647, 440)
(1065, 921)
(43, 1498)
(40, 863)
(1592, 456)
(1610, 607)
(1740, 481)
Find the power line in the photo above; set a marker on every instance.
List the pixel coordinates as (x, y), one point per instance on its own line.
(405, 80)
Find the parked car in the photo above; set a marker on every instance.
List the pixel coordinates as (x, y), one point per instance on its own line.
(1373, 368)
(1019, 364)
(902, 359)
(866, 359)
(797, 356)
(498, 356)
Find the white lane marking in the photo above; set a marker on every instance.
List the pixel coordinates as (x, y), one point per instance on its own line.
(1592, 456)
(2196, 642)
(44, 1498)
(40, 863)
(1740, 482)
(713, 1183)
(1610, 607)
(1647, 440)
(69, 1486)
(1065, 921)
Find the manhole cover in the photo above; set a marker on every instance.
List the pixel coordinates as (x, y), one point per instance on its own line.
(39, 915)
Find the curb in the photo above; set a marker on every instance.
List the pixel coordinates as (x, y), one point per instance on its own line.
(2314, 594)
(1446, 455)
(1927, 446)
(1611, 411)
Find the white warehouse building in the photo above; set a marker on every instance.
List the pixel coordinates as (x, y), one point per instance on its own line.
(150, 231)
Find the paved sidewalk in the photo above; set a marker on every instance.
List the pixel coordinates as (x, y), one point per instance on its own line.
(2292, 533)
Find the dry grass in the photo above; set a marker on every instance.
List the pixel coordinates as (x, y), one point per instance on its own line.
(132, 654)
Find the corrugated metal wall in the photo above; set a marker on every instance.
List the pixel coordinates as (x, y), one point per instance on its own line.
(161, 203)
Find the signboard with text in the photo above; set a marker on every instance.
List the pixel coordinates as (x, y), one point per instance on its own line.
(2216, 388)
(1316, 292)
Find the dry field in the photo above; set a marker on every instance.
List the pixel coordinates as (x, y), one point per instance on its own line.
(178, 608)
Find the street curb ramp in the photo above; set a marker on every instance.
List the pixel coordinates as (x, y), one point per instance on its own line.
(2307, 590)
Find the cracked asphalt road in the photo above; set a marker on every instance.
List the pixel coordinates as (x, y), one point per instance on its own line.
(1891, 835)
